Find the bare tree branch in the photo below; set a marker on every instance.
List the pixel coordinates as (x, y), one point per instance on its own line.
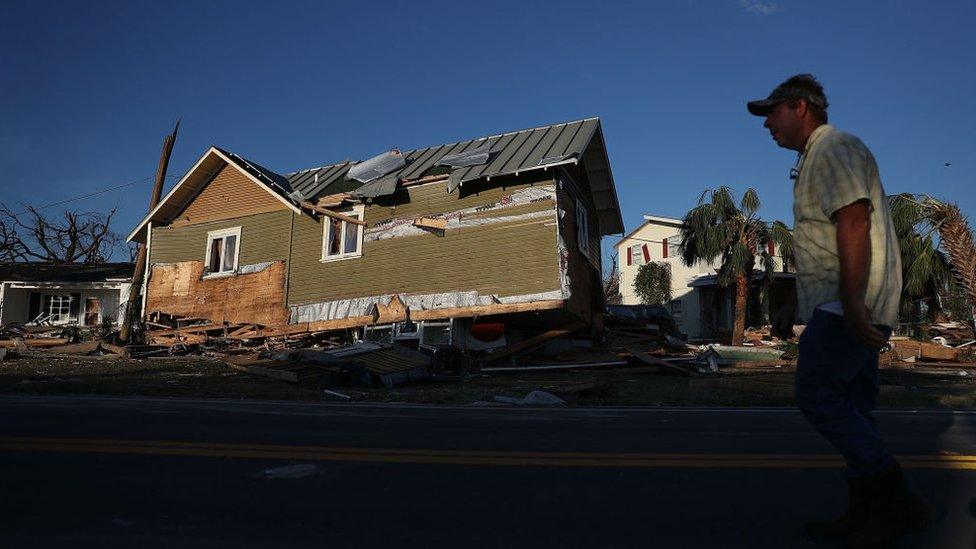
(79, 238)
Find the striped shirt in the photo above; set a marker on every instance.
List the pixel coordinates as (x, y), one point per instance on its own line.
(836, 170)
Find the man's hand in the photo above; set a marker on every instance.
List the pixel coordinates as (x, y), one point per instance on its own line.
(859, 322)
(854, 252)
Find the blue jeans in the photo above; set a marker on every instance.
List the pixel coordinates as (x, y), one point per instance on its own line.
(837, 389)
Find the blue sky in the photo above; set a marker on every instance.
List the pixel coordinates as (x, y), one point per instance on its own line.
(89, 89)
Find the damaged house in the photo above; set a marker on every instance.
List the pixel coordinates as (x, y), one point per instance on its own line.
(457, 243)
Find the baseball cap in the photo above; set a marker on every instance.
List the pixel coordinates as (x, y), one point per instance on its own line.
(801, 86)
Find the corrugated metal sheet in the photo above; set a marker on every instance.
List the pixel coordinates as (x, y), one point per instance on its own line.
(511, 153)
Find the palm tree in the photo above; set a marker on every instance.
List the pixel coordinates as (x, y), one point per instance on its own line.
(957, 240)
(925, 269)
(720, 228)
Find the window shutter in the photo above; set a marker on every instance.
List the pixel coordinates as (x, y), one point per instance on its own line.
(664, 248)
(630, 255)
(771, 247)
(647, 254)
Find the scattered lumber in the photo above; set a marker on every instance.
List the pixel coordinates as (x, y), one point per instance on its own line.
(924, 350)
(533, 342)
(36, 342)
(648, 359)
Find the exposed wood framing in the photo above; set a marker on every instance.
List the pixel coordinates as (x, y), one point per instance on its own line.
(430, 223)
(333, 200)
(329, 213)
(396, 311)
(428, 179)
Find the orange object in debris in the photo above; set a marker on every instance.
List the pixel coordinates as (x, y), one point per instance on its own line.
(487, 331)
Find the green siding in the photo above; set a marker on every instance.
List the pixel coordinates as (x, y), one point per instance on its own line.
(264, 237)
(511, 258)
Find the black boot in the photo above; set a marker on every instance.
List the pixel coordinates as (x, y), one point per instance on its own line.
(893, 511)
(852, 519)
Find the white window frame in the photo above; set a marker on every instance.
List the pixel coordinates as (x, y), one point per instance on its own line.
(223, 233)
(637, 254)
(359, 212)
(582, 228)
(47, 303)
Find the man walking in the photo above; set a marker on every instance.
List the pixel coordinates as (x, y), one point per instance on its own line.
(848, 288)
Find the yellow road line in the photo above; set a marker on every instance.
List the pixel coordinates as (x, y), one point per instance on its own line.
(458, 457)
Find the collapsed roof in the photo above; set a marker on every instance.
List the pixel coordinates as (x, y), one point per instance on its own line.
(580, 142)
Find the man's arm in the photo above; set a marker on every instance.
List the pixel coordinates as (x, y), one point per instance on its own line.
(854, 251)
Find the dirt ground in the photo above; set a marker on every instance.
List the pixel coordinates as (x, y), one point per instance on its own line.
(630, 386)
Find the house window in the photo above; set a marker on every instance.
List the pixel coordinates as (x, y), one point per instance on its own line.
(676, 307)
(341, 239)
(582, 228)
(639, 254)
(223, 249)
(673, 243)
(57, 308)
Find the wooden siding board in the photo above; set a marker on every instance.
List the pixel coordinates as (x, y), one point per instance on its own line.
(229, 195)
(264, 237)
(471, 259)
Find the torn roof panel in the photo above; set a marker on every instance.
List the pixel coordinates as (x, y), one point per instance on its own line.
(378, 166)
(471, 157)
(312, 182)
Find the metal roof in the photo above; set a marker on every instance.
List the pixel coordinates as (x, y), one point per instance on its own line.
(278, 183)
(579, 142)
(510, 153)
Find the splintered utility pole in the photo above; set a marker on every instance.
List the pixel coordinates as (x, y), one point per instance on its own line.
(137, 275)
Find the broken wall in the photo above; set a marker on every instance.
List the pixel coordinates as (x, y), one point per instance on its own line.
(494, 244)
(584, 274)
(180, 289)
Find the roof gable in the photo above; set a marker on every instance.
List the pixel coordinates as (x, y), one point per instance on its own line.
(200, 175)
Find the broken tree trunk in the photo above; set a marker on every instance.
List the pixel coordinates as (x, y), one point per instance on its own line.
(141, 258)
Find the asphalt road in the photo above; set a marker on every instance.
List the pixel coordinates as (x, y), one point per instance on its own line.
(114, 472)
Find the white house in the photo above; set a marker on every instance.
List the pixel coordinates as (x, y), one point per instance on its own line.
(700, 307)
(64, 294)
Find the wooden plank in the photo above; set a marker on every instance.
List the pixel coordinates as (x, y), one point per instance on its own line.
(534, 342)
(335, 215)
(38, 343)
(396, 311)
(644, 357)
(76, 349)
(183, 331)
(305, 327)
(430, 223)
(482, 310)
(243, 330)
(333, 200)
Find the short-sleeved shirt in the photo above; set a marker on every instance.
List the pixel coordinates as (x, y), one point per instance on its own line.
(836, 170)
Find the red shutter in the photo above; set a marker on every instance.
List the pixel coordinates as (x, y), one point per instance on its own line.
(664, 248)
(630, 255)
(771, 247)
(647, 254)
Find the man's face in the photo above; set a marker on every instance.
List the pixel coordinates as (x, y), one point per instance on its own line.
(786, 126)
